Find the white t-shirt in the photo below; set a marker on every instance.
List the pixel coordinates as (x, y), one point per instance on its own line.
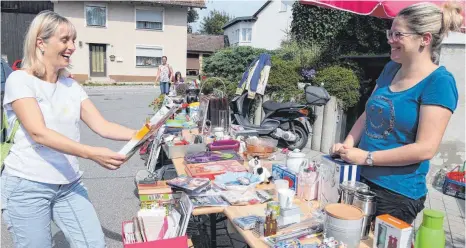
(60, 104)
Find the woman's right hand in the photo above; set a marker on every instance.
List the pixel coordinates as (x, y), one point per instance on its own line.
(336, 148)
(107, 158)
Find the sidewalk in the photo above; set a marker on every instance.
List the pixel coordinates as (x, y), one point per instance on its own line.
(454, 221)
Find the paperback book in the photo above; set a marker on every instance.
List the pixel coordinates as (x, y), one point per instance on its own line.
(150, 128)
(188, 184)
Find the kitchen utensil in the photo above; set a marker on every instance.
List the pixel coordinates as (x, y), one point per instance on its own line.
(347, 190)
(365, 200)
(296, 160)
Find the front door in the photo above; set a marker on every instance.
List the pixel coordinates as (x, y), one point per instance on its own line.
(98, 60)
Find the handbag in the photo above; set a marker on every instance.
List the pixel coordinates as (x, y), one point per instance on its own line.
(6, 145)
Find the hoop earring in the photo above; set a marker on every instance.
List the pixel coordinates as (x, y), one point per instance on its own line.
(42, 52)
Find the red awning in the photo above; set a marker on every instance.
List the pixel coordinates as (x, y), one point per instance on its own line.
(382, 9)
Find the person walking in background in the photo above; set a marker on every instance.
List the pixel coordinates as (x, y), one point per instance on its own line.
(41, 181)
(178, 79)
(164, 76)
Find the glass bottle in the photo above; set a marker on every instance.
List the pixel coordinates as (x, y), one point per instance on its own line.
(267, 223)
(274, 224)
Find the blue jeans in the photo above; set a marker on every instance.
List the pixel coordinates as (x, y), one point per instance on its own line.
(164, 88)
(29, 207)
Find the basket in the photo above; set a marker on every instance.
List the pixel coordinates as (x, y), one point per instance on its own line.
(454, 184)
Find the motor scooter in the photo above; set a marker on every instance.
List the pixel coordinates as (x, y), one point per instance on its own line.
(287, 122)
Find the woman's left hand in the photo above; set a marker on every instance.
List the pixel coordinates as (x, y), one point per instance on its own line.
(353, 155)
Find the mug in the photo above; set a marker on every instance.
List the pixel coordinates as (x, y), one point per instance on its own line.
(286, 197)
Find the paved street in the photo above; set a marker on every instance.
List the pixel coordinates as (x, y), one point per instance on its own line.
(113, 192)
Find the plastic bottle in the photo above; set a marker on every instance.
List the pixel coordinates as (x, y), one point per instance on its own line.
(431, 233)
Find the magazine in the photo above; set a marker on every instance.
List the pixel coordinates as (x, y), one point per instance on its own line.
(208, 201)
(188, 184)
(147, 130)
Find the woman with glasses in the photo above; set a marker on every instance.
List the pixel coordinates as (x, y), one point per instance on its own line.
(407, 114)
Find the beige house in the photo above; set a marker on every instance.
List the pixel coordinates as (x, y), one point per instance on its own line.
(125, 41)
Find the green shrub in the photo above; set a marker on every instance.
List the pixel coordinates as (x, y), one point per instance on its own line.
(304, 55)
(339, 31)
(283, 80)
(340, 82)
(230, 63)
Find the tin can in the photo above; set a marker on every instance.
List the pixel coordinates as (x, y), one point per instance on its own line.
(274, 206)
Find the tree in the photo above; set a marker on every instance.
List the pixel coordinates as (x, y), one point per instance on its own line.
(193, 16)
(341, 32)
(213, 23)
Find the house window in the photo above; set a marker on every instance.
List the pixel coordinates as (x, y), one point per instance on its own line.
(149, 19)
(96, 16)
(246, 34)
(148, 56)
(283, 6)
(237, 35)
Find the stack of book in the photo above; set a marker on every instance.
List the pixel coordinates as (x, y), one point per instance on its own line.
(158, 187)
(159, 223)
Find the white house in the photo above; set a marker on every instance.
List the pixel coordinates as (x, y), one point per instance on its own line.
(267, 28)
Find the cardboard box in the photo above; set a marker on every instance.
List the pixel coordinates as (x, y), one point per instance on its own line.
(391, 232)
(332, 173)
(181, 242)
(348, 172)
(282, 172)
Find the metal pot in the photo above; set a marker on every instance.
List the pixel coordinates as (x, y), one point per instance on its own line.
(347, 190)
(365, 200)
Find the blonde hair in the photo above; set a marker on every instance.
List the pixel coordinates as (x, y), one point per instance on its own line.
(44, 26)
(429, 18)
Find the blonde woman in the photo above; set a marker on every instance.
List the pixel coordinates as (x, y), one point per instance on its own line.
(41, 181)
(408, 112)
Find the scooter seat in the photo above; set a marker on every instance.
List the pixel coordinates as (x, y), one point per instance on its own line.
(265, 128)
(270, 106)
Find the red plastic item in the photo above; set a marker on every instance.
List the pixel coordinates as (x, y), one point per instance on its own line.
(454, 184)
(223, 145)
(178, 242)
(16, 65)
(456, 176)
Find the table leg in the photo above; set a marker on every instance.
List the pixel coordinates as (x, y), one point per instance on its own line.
(213, 230)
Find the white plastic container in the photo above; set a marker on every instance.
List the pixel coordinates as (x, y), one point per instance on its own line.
(343, 223)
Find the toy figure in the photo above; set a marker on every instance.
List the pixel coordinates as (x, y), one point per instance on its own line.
(262, 172)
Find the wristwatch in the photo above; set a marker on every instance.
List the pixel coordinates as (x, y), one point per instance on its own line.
(369, 159)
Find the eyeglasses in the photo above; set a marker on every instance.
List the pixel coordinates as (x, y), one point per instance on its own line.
(397, 35)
